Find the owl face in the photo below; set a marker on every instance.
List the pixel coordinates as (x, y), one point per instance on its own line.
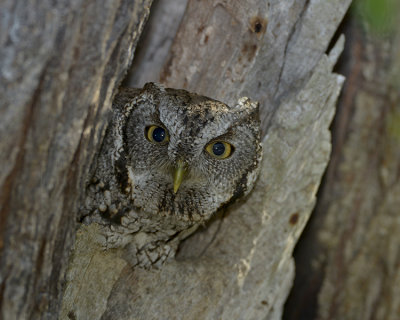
(188, 155)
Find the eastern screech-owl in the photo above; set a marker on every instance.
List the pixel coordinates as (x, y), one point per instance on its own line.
(169, 160)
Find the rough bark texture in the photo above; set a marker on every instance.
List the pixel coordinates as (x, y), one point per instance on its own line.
(349, 259)
(153, 47)
(60, 62)
(240, 266)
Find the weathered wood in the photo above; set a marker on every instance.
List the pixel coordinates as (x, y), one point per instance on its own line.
(348, 262)
(60, 63)
(266, 51)
(155, 43)
(240, 266)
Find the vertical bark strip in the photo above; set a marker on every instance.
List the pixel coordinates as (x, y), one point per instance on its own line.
(348, 262)
(60, 63)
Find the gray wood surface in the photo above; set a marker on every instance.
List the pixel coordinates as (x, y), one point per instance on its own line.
(349, 256)
(60, 62)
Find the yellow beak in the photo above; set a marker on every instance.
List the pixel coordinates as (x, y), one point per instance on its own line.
(179, 173)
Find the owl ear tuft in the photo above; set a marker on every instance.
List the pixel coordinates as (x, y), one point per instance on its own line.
(154, 87)
(245, 104)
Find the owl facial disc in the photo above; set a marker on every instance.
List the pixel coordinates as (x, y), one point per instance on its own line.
(213, 151)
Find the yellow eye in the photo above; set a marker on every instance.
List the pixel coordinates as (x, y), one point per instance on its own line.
(157, 134)
(220, 149)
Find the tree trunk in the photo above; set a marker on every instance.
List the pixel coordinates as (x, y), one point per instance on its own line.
(71, 59)
(348, 262)
(60, 63)
(240, 266)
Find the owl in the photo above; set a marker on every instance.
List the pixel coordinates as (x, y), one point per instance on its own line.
(169, 160)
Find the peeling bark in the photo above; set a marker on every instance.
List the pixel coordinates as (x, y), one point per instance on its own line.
(348, 261)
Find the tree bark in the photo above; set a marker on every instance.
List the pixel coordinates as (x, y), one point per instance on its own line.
(348, 260)
(240, 265)
(60, 66)
(60, 63)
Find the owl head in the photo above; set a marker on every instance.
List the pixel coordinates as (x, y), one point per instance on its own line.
(187, 155)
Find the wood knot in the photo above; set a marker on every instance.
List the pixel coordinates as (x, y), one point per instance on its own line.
(258, 25)
(294, 218)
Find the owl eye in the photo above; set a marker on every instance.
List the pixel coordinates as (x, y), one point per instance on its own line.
(156, 134)
(219, 149)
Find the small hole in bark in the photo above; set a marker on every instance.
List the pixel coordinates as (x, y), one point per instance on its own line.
(258, 25)
(294, 218)
(264, 302)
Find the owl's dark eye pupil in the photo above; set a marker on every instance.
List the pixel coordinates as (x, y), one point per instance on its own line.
(218, 148)
(159, 134)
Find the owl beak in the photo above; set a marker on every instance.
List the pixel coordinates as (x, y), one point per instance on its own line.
(179, 173)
